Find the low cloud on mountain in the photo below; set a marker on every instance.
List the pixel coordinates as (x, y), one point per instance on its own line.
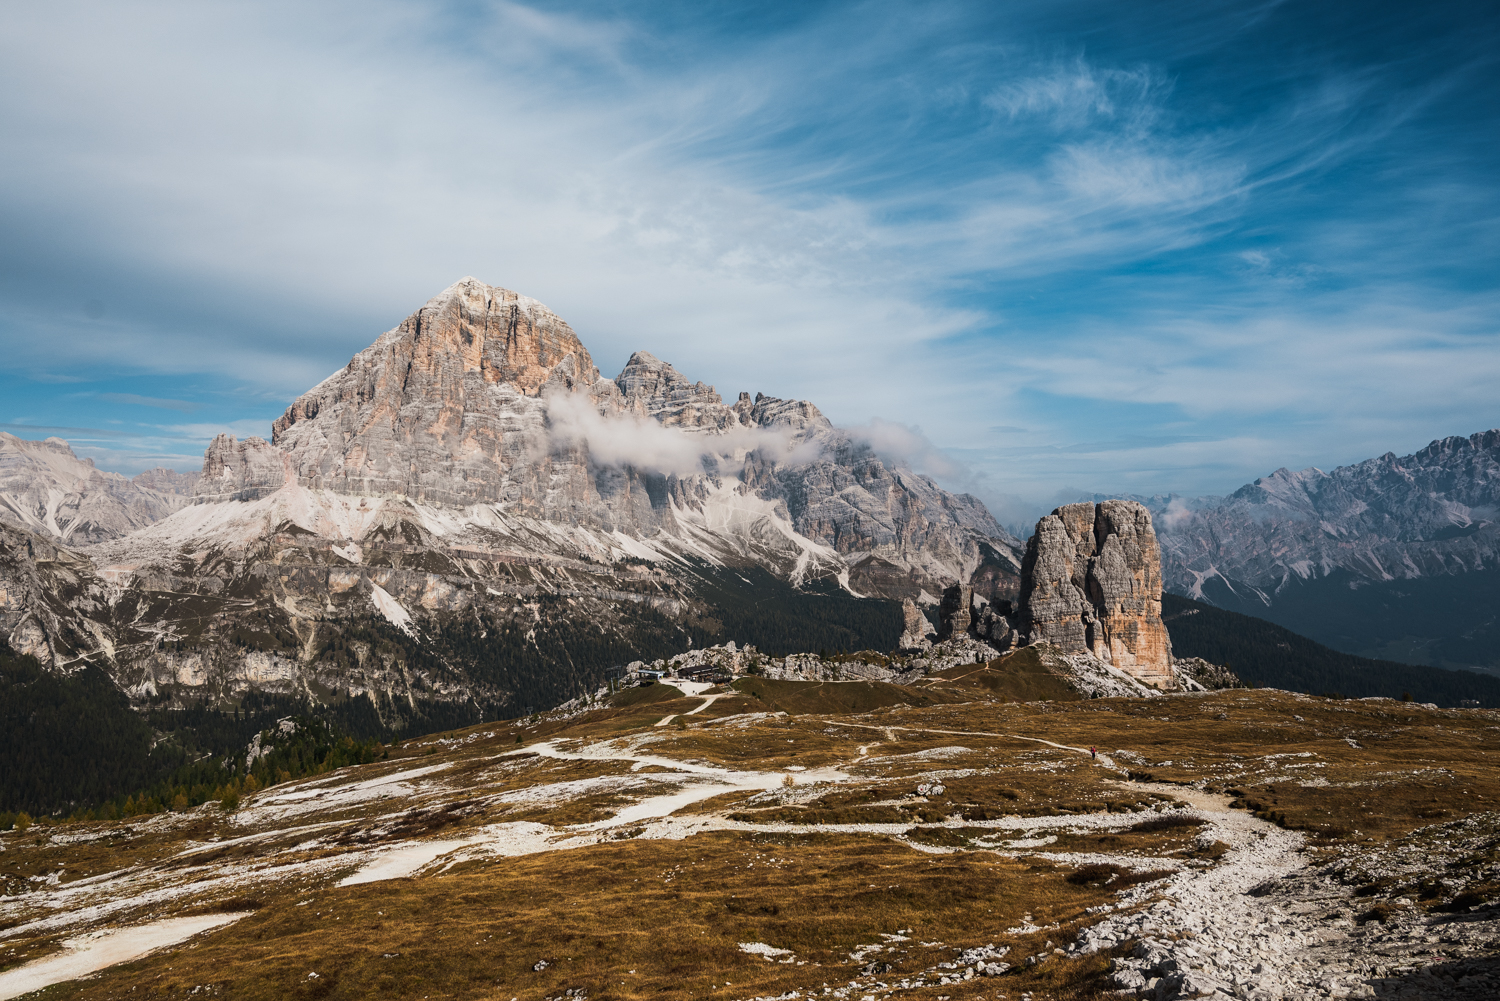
(643, 443)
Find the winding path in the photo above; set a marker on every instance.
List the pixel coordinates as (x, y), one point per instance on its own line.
(708, 700)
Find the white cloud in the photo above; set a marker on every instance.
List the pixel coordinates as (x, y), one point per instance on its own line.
(645, 444)
(908, 446)
(274, 185)
(1074, 93)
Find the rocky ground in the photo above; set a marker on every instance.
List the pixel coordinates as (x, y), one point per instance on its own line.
(1269, 922)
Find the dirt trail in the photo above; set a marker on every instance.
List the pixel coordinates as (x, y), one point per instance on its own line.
(1103, 758)
(708, 700)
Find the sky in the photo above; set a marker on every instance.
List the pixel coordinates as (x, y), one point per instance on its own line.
(1033, 248)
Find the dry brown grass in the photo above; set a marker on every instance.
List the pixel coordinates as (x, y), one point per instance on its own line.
(1017, 677)
(672, 913)
(798, 698)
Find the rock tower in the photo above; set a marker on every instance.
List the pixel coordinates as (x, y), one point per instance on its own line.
(1091, 580)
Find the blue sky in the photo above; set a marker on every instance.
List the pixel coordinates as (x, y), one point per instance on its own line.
(1137, 247)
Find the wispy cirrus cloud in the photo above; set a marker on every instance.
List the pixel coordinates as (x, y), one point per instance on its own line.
(1249, 220)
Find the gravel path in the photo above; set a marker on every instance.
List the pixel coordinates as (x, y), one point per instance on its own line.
(1266, 925)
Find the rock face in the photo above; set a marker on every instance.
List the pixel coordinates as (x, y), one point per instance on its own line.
(445, 408)
(46, 489)
(965, 611)
(1091, 580)
(239, 470)
(956, 611)
(51, 600)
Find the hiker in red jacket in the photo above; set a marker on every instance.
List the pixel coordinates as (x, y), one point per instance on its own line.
(1093, 754)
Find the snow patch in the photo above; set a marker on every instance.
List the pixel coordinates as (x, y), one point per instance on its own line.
(763, 950)
(392, 610)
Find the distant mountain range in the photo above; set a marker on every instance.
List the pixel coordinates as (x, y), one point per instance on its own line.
(45, 488)
(1394, 558)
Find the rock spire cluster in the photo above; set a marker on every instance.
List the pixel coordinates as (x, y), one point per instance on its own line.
(1090, 582)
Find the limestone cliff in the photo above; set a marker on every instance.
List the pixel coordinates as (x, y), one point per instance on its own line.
(444, 408)
(236, 470)
(1091, 580)
(459, 405)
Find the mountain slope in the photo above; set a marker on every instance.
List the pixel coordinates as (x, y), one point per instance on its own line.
(1266, 655)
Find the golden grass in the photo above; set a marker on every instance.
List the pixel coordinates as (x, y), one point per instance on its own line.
(673, 913)
(798, 698)
(1017, 677)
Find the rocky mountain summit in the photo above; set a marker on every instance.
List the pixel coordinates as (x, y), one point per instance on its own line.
(486, 397)
(471, 489)
(45, 488)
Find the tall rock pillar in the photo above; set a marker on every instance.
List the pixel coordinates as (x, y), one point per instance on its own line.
(1091, 580)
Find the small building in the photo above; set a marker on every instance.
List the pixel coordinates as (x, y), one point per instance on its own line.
(706, 672)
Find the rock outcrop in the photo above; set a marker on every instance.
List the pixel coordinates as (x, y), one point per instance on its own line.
(1091, 581)
(965, 611)
(236, 470)
(956, 611)
(916, 631)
